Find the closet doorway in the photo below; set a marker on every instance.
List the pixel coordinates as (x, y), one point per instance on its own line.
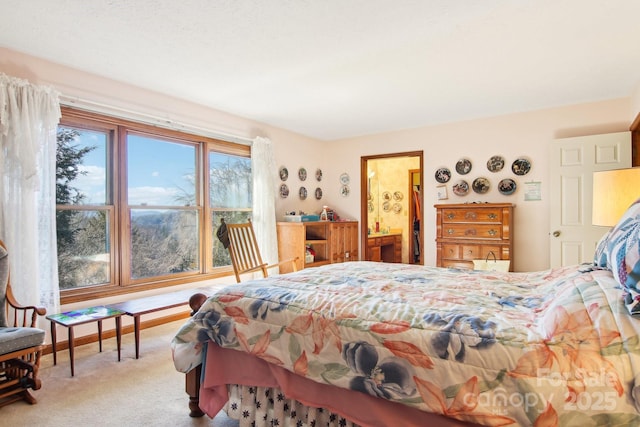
(390, 206)
(415, 212)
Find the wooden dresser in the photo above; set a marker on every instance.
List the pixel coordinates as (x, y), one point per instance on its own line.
(469, 231)
(331, 241)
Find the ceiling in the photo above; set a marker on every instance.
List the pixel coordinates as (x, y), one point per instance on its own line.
(332, 69)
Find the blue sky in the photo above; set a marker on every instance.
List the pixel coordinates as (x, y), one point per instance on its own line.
(163, 176)
(148, 183)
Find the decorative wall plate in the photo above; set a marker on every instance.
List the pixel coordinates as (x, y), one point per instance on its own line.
(284, 191)
(397, 196)
(344, 190)
(443, 175)
(386, 206)
(397, 208)
(461, 188)
(370, 206)
(344, 179)
(521, 166)
(495, 163)
(318, 193)
(481, 185)
(302, 193)
(386, 196)
(463, 166)
(284, 173)
(318, 175)
(302, 174)
(507, 186)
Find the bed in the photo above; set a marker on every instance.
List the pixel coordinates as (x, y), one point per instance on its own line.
(376, 344)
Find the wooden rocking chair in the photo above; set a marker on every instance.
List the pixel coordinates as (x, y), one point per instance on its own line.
(21, 343)
(244, 251)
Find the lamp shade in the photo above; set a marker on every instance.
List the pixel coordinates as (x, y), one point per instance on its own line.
(613, 192)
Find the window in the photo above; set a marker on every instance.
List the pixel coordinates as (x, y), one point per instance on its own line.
(138, 206)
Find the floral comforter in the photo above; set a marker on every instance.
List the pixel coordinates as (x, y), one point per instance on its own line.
(548, 348)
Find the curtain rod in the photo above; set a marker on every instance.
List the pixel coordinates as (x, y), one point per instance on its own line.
(98, 107)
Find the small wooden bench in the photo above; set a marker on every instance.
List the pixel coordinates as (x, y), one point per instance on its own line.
(139, 306)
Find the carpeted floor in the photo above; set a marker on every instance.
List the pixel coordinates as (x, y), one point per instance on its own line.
(104, 392)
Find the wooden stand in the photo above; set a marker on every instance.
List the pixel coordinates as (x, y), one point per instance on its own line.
(332, 242)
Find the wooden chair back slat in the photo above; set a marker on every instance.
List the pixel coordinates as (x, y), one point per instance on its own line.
(244, 251)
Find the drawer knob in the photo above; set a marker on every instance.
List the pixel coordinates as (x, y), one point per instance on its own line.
(451, 215)
(470, 232)
(471, 215)
(492, 232)
(450, 231)
(492, 216)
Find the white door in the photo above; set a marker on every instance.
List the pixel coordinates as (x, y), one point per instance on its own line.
(573, 160)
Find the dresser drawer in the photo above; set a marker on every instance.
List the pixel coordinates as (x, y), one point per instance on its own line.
(472, 215)
(447, 263)
(485, 251)
(472, 231)
(471, 252)
(450, 250)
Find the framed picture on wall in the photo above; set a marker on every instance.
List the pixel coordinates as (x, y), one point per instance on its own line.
(442, 192)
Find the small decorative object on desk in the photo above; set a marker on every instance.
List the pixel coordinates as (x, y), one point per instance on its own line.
(324, 216)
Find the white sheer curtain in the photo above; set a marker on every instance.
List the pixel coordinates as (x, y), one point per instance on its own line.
(29, 116)
(264, 195)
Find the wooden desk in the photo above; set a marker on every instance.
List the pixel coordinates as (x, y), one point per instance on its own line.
(70, 319)
(139, 306)
(384, 247)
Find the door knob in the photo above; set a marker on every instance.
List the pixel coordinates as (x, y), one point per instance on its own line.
(556, 233)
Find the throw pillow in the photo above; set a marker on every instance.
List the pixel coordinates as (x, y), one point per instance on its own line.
(624, 255)
(601, 257)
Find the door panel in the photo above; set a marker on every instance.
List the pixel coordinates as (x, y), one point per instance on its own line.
(573, 160)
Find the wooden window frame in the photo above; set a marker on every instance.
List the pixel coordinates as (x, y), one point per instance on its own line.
(118, 209)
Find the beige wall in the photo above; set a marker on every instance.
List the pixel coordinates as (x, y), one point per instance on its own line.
(527, 134)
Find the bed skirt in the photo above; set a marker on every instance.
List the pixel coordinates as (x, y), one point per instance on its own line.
(288, 392)
(268, 407)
